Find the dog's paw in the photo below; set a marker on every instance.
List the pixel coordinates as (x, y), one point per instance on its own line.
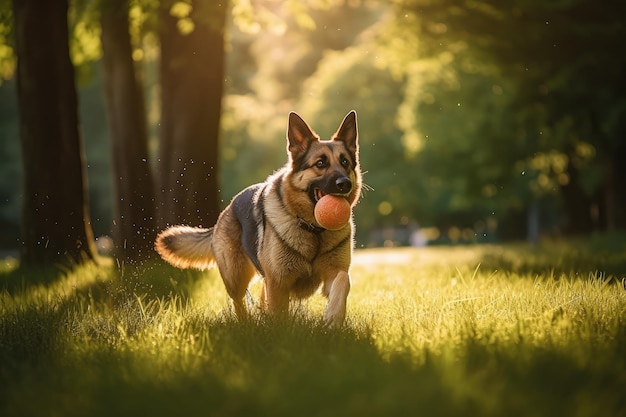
(334, 321)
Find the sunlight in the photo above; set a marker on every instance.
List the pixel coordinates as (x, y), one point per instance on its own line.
(67, 285)
(182, 10)
(481, 125)
(497, 314)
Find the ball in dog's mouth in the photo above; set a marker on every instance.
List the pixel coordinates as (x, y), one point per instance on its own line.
(332, 212)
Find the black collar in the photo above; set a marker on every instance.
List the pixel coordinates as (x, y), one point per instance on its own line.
(309, 227)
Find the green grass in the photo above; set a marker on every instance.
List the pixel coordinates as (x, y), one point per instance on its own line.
(475, 330)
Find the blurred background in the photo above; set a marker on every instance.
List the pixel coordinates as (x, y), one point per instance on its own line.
(479, 121)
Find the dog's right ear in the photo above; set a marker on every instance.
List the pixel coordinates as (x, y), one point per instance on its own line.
(299, 136)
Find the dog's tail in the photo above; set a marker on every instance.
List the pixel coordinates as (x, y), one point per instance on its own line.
(186, 247)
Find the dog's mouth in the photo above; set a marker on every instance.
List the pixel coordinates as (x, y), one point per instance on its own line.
(316, 194)
(339, 186)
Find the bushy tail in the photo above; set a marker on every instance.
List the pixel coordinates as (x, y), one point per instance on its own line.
(186, 247)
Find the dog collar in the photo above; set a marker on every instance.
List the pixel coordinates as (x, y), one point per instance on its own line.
(309, 227)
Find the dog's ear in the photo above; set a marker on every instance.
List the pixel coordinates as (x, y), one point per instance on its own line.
(348, 133)
(299, 136)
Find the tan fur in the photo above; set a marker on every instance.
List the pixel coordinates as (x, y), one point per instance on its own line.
(186, 247)
(295, 261)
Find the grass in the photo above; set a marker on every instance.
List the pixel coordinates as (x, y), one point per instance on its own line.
(475, 330)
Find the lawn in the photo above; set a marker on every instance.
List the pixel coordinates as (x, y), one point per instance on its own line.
(486, 330)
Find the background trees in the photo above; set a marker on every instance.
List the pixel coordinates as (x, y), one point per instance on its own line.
(568, 90)
(55, 218)
(192, 76)
(478, 121)
(134, 228)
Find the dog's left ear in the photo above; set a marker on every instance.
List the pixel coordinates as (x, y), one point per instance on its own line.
(299, 136)
(348, 133)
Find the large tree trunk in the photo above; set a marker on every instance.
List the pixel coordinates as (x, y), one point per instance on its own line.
(192, 73)
(134, 226)
(55, 217)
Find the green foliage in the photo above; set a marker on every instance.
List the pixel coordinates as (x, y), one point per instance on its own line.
(253, 144)
(85, 47)
(559, 66)
(470, 112)
(439, 331)
(7, 55)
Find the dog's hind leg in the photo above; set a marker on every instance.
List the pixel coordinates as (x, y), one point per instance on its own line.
(336, 289)
(237, 272)
(234, 265)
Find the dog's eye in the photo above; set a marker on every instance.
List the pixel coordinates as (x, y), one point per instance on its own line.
(320, 163)
(345, 163)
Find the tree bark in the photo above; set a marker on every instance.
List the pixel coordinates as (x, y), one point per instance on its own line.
(577, 206)
(192, 73)
(135, 208)
(533, 224)
(56, 226)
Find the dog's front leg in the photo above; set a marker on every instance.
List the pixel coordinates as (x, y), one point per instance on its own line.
(275, 296)
(336, 289)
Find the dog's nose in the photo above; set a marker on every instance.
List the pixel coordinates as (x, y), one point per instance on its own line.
(343, 184)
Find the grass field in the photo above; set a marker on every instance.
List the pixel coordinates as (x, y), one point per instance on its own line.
(473, 331)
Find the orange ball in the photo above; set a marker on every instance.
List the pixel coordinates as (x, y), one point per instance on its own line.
(332, 212)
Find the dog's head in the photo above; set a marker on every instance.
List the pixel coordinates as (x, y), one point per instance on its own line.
(321, 167)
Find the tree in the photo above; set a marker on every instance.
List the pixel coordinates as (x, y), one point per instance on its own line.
(564, 62)
(55, 219)
(135, 209)
(192, 74)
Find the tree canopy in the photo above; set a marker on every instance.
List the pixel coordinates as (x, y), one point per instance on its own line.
(564, 76)
(498, 120)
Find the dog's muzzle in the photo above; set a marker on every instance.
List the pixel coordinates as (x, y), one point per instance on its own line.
(340, 185)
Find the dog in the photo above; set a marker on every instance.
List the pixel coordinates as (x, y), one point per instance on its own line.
(270, 229)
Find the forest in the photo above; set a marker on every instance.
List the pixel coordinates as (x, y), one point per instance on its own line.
(479, 121)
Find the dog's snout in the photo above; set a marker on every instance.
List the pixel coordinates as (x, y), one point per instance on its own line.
(343, 184)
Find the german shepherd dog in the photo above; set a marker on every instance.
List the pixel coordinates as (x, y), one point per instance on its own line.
(270, 229)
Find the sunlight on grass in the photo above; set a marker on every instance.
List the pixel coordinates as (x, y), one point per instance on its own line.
(448, 331)
(436, 298)
(41, 286)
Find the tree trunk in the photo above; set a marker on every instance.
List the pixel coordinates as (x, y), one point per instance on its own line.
(134, 225)
(192, 73)
(615, 178)
(577, 206)
(533, 224)
(609, 196)
(55, 219)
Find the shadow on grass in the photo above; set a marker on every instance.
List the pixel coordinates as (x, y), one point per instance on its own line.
(40, 306)
(104, 278)
(131, 345)
(262, 367)
(296, 366)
